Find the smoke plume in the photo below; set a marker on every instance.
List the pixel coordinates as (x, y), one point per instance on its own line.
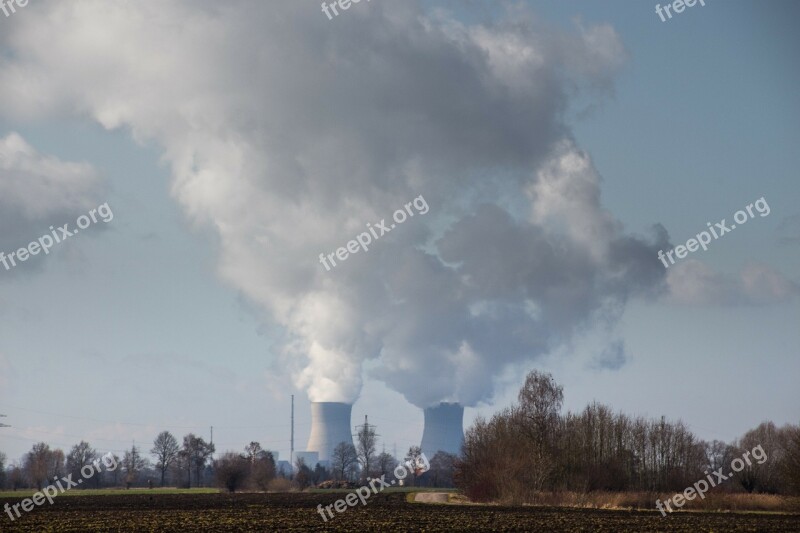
(287, 133)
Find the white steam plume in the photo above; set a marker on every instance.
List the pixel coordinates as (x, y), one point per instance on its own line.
(286, 133)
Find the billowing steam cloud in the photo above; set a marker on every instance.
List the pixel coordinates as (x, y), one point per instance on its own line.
(286, 133)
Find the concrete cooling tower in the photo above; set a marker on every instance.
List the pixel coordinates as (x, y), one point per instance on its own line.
(444, 429)
(330, 425)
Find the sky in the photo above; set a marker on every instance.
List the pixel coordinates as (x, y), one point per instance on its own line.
(558, 146)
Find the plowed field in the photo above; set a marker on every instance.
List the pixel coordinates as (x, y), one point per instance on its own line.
(384, 512)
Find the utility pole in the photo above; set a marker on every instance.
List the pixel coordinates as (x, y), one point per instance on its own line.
(291, 449)
(212, 440)
(3, 425)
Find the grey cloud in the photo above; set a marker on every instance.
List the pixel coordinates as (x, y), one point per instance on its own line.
(613, 357)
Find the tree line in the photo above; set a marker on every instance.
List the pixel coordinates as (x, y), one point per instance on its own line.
(532, 447)
(184, 465)
(190, 463)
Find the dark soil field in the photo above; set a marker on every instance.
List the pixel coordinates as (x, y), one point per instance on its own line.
(385, 512)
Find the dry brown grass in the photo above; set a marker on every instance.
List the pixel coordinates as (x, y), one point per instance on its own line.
(280, 484)
(717, 501)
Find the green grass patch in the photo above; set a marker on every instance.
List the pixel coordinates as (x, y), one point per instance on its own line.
(112, 492)
(410, 490)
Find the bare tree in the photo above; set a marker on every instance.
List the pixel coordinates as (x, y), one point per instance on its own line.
(165, 448)
(56, 466)
(344, 460)
(263, 470)
(16, 477)
(182, 469)
(2, 470)
(531, 447)
(385, 463)
(252, 450)
(115, 474)
(415, 463)
(132, 464)
(79, 456)
(304, 474)
(366, 447)
(540, 402)
(38, 463)
(537, 415)
(197, 452)
(762, 476)
(320, 474)
(719, 454)
(442, 468)
(231, 471)
(790, 467)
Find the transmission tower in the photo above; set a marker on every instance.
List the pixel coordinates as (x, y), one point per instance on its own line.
(365, 429)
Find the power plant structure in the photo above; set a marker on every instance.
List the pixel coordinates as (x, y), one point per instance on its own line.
(330, 425)
(309, 458)
(444, 429)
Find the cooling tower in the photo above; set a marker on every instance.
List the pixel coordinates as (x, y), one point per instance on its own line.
(330, 425)
(444, 429)
(309, 458)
